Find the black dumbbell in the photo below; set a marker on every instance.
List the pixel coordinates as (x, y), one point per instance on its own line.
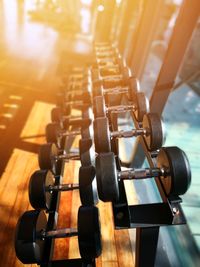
(75, 77)
(32, 233)
(60, 114)
(42, 184)
(140, 108)
(113, 80)
(172, 169)
(106, 54)
(55, 134)
(50, 156)
(151, 131)
(80, 94)
(130, 89)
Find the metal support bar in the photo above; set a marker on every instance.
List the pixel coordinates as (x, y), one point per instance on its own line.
(143, 37)
(185, 24)
(146, 240)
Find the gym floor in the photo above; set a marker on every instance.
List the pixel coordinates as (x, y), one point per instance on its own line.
(30, 56)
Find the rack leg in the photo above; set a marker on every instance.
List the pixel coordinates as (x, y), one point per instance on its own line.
(146, 246)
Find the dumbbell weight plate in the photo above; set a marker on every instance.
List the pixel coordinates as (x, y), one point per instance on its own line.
(179, 178)
(142, 106)
(106, 174)
(134, 88)
(153, 124)
(126, 74)
(87, 152)
(97, 88)
(56, 114)
(53, 133)
(87, 131)
(99, 107)
(87, 185)
(121, 62)
(38, 196)
(30, 249)
(102, 135)
(46, 157)
(89, 234)
(109, 71)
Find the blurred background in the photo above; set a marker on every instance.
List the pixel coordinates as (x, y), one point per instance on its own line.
(160, 40)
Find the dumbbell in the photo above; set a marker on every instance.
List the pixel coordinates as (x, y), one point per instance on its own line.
(59, 116)
(173, 171)
(67, 106)
(50, 156)
(117, 60)
(131, 88)
(57, 131)
(32, 234)
(67, 101)
(111, 81)
(151, 131)
(106, 53)
(54, 134)
(42, 185)
(140, 108)
(104, 46)
(75, 76)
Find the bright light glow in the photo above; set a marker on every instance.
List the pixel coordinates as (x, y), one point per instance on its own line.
(7, 115)
(11, 106)
(17, 97)
(85, 21)
(118, 2)
(86, 2)
(2, 127)
(100, 8)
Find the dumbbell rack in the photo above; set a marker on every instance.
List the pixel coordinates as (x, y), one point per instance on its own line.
(147, 218)
(52, 224)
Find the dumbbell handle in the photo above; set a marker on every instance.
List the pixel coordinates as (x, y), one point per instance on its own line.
(112, 77)
(70, 133)
(62, 187)
(82, 122)
(120, 108)
(59, 233)
(76, 102)
(131, 174)
(116, 90)
(68, 156)
(127, 134)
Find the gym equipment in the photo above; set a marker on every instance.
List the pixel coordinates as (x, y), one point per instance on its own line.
(173, 171)
(130, 89)
(32, 233)
(57, 115)
(140, 108)
(42, 186)
(54, 133)
(50, 155)
(151, 131)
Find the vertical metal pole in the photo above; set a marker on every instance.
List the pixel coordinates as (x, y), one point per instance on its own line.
(104, 21)
(146, 246)
(128, 9)
(185, 24)
(144, 35)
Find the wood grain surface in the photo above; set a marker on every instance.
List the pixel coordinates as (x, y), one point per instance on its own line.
(30, 53)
